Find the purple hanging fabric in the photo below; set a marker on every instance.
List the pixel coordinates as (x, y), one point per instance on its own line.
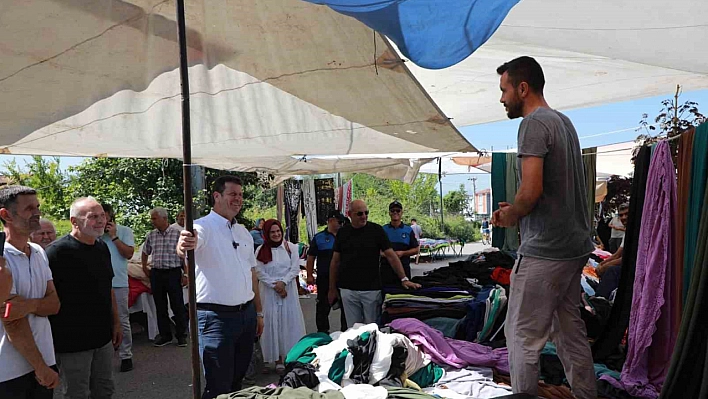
(456, 353)
(652, 334)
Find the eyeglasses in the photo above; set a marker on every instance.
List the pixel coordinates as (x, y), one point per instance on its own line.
(363, 213)
(395, 211)
(234, 244)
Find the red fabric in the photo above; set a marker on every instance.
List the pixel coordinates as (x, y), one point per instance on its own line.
(265, 254)
(501, 275)
(135, 287)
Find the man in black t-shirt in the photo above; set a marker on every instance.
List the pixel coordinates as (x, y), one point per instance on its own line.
(355, 267)
(87, 328)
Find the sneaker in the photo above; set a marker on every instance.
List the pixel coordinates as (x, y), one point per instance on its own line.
(126, 365)
(159, 341)
(181, 342)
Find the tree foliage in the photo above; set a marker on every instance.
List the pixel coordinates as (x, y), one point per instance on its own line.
(45, 176)
(618, 191)
(673, 119)
(456, 201)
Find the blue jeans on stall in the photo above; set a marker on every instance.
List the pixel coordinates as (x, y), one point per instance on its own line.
(225, 345)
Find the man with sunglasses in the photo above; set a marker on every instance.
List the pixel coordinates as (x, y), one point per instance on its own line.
(321, 248)
(355, 267)
(403, 242)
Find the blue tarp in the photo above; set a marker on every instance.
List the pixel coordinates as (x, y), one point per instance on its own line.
(434, 34)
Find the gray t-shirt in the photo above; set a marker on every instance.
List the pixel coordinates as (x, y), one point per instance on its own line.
(557, 228)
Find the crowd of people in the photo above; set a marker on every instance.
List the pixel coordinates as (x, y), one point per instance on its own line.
(246, 288)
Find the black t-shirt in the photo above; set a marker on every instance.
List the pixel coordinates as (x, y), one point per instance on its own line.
(83, 279)
(359, 256)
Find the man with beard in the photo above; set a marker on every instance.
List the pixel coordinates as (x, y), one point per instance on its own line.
(87, 329)
(550, 205)
(229, 308)
(45, 235)
(26, 350)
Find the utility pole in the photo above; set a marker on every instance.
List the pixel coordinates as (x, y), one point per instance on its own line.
(474, 193)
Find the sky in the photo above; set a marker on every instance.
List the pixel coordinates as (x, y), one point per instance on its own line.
(596, 126)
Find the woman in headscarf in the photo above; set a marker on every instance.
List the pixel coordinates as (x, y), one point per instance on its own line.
(257, 233)
(277, 267)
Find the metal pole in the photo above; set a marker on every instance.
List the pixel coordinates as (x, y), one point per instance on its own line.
(442, 210)
(187, 185)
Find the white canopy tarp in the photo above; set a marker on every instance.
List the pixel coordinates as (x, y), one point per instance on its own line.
(268, 80)
(592, 52)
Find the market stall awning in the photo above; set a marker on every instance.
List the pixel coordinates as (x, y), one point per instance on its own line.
(269, 80)
(592, 52)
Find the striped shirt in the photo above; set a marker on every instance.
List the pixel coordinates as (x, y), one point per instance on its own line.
(163, 248)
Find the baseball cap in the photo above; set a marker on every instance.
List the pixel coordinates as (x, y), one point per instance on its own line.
(336, 215)
(394, 205)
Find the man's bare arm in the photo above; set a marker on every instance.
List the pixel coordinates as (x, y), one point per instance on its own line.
(395, 263)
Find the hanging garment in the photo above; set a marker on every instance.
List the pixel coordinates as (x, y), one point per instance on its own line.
(511, 236)
(498, 194)
(652, 331)
(699, 171)
(324, 195)
(292, 193)
(310, 208)
(685, 159)
(608, 342)
(344, 197)
(590, 166)
(688, 374)
(448, 351)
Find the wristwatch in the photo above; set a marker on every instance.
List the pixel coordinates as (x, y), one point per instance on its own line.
(259, 314)
(404, 279)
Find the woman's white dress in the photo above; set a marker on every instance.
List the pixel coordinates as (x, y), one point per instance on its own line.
(284, 324)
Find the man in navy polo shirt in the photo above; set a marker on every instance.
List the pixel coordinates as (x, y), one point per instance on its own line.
(321, 249)
(403, 242)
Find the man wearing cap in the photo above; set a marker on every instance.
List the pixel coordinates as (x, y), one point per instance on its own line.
(321, 248)
(403, 242)
(355, 266)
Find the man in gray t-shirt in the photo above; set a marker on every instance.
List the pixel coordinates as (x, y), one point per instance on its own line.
(550, 206)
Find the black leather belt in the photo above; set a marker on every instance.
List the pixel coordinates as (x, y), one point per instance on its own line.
(213, 307)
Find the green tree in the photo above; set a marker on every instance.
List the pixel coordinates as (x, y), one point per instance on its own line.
(456, 201)
(45, 176)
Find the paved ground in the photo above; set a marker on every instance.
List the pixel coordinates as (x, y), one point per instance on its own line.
(166, 372)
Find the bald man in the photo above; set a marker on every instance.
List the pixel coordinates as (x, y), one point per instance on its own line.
(355, 267)
(45, 235)
(87, 329)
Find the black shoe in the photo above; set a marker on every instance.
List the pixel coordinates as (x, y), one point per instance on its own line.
(159, 341)
(126, 365)
(181, 342)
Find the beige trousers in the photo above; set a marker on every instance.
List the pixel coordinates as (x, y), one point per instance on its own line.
(544, 303)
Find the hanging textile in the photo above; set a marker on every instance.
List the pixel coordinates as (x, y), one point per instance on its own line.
(652, 332)
(685, 158)
(498, 194)
(292, 206)
(511, 236)
(324, 195)
(309, 207)
(590, 165)
(344, 197)
(699, 170)
(606, 345)
(688, 373)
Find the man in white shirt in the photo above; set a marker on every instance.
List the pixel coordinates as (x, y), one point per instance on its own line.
(28, 366)
(617, 224)
(228, 304)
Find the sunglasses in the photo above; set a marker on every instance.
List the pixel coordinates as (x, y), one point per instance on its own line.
(395, 211)
(362, 213)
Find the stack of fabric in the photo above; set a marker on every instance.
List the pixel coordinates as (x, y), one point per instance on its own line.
(426, 303)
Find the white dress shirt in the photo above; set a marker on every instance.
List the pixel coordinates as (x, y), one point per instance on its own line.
(223, 273)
